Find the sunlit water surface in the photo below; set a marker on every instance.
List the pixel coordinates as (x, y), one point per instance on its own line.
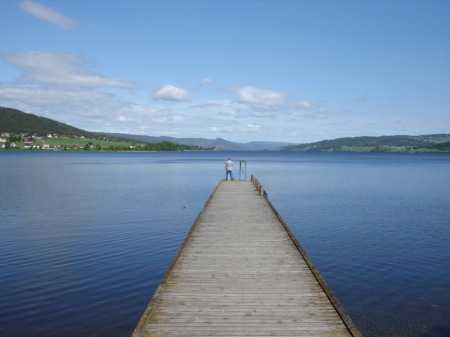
(86, 237)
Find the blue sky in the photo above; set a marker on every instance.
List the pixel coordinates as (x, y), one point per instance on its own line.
(278, 70)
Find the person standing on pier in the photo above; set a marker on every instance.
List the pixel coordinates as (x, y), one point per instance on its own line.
(229, 169)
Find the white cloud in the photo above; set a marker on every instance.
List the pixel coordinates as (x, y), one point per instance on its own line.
(305, 105)
(58, 86)
(61, 87)
(224, 108)
(259, 98)
(267, 113)
(47, 14)
(59, 69)
(86, 109)
(171, 93)
(40, 97)
(235, 128)
(307, 110)
(206, 81)
(310, 106)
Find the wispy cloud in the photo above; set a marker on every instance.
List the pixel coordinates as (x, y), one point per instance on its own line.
(224, 108)
(171, 93)
(308, 105)
(307, 110)
(59, 69)
(61, 86)
(48, 14)
(206, 81)
(87, 109)
(241, 128)
(259, 98)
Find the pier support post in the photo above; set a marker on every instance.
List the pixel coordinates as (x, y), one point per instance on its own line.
(258, 186)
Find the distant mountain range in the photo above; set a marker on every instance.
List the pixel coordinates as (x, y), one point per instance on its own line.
(16, 121)
(218, 143)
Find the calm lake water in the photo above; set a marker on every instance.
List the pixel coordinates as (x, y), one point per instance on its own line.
(86, 237)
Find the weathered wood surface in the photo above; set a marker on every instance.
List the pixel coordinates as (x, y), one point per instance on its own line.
(239, 273)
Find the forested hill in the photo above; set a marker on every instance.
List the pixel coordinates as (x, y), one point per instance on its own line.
(16, 121)
(424, 143)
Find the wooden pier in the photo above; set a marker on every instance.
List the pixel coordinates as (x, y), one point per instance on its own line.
(241, 272)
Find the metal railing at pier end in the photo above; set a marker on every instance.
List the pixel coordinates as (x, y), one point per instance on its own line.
(242, 170)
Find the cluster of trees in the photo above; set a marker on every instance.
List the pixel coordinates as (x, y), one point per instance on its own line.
(445, 146)
(161, 146)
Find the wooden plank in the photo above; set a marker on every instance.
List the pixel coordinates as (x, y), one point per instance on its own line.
(240, 272)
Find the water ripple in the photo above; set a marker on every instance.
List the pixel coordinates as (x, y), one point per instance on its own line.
(85, 239)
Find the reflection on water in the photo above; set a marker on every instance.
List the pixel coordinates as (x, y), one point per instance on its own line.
(85, 238)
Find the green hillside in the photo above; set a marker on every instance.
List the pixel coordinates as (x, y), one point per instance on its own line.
(16, 121)
(424, 143)
(28, 131)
